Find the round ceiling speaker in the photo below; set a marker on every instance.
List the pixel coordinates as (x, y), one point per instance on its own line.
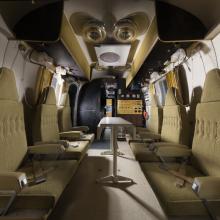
(125, 31)
(110, 57)
(94, 32)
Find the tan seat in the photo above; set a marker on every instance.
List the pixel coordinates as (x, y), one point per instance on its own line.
(46, 127)
(59, 176)
(175, 122)
(14, 152)
(142, 153)
(65, 122)
(205, 160)
(156, 116)
(174, 128)
(154, 123)
(174, 200)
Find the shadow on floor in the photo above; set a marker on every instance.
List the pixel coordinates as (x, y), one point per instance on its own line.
(83, 198)
(100, 144)
(125, 188)
(104, 143)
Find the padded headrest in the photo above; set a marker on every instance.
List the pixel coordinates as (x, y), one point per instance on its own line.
(154, 100)
(173, 97)
(48, 96)
(65, 99)
(211, 90)
(8, 88)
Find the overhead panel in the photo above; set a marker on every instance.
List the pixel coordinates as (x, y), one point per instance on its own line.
(100, 26)
(144, 50)
(69, 39)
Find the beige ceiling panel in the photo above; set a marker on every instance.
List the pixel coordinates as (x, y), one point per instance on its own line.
(144, 50)
(69, 39)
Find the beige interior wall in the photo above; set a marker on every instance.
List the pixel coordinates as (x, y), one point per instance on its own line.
(26, 73)
(202, 58)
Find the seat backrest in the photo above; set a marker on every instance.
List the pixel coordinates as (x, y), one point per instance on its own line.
(156, 115)
(175, 127)
(13, 144)
(45, 126)
(206, 140)
(64, 114)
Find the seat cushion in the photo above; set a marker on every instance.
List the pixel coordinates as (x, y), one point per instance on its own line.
(176, 201)
(77, 152)
(58, 175)
(142, 153)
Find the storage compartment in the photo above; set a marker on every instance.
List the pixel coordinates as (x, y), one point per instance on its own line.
(36, 207)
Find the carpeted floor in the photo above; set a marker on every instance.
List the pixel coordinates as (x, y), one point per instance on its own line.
(104, 142)
(100, 144)
(84, 199)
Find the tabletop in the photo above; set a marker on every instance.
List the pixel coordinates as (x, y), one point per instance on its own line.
(111, 121)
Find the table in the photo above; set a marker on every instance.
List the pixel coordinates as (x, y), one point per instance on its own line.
(105, 123)
(114, 123)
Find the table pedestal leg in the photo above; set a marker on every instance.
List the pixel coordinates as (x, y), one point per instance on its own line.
(134, 132)
(114, 178)
(111, 152)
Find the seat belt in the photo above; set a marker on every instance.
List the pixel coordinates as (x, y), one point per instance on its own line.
(182, 178)
(180, 174)
(39, 177)
(182, 170)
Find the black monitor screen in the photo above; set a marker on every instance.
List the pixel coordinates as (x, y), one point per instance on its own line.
(39, 24)
(176, 24)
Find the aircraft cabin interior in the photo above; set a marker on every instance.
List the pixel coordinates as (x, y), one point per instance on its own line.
(109, 110)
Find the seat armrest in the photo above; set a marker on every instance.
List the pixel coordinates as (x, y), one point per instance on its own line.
(130, 139)
(207, 187)
(12, 181)
(45, 142)
(172, 151)
(146, 140)
(144, 135)
(70, 134)
(80, 128)
(141, 129)
(170, 144)
(46, 149)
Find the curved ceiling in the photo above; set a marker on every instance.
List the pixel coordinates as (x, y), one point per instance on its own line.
(206, 10)
(107, 9)
(109, 12)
